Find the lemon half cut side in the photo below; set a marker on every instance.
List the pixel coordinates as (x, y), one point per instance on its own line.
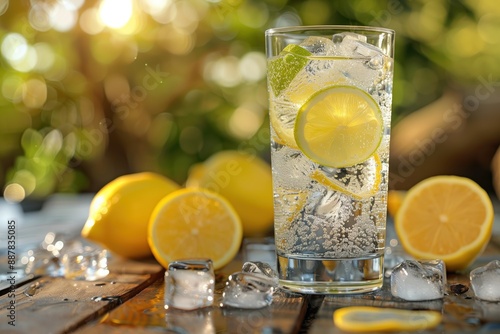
(339, 126)
(194, 223)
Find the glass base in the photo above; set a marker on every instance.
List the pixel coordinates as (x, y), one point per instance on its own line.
(331, 276)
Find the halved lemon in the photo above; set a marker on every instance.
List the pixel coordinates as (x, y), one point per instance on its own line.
(339, 126)
(358, 181)
(194, 223)
(371, 319)
(445, 217)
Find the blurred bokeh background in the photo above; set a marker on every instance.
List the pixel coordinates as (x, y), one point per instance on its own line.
(93, 89)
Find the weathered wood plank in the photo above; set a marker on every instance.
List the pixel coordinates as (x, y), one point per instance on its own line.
(145, 313)
(58, 305)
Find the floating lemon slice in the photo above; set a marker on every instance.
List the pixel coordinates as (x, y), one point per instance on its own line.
(368, 319)
(359, 181)
(339, 126)
(445, 217)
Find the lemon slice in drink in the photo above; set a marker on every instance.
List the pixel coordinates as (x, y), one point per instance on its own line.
(358, 181)
(339, 126)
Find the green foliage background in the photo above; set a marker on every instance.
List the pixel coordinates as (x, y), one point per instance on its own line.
(170, 88)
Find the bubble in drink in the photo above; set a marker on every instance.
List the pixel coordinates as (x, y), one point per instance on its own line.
(485, 281)
(189, 284)
(418, 280)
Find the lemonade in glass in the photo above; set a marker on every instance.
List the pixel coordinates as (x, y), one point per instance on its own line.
(330, 95)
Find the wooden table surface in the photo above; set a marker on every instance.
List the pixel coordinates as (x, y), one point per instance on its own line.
(131, 301)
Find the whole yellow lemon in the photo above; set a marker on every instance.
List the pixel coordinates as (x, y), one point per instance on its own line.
(245, 180)
(119, 212)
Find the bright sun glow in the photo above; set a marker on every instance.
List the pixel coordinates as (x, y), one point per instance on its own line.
(115, 13)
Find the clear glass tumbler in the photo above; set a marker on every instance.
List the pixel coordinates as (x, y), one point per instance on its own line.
(330, 96)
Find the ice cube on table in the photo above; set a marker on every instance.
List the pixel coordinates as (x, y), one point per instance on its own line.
(418, 280)
(189, 284)
(260, 249)
(248, 291)
(485, 281)
(261, 268)
(85, 263)
(319, 46)
(62, 255)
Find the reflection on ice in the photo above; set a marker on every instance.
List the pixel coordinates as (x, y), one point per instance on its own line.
(418, 280)
(248, 290)
(485, 281)
(60, 255)
(189, 284)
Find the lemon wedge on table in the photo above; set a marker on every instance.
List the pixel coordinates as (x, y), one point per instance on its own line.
(445, 217)
(194, 223)
(370, 319)
(120, 211)
(339, 126)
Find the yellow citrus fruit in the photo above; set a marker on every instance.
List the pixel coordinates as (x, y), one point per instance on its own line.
(394, 201)
(376, 319)
(358, 181)
(445, 217)
(119, 212)
(245, 181)
(339, 126)
(194, 223)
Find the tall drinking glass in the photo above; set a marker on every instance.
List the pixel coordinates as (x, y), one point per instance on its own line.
(330, 95)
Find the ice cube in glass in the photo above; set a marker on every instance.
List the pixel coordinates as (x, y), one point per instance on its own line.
(485, 281)
(248, 290)
(189, 284)
(415, 280)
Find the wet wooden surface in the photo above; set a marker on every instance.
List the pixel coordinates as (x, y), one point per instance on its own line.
(130, 300)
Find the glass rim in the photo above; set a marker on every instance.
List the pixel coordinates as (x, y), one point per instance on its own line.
(297, 29)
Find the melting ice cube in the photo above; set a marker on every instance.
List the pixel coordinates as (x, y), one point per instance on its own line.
(189, 284)
(261, 268)
(62, 255)
(248, 291)
(418, 280)
(85, 263)
(260, 249)
(485, 281)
